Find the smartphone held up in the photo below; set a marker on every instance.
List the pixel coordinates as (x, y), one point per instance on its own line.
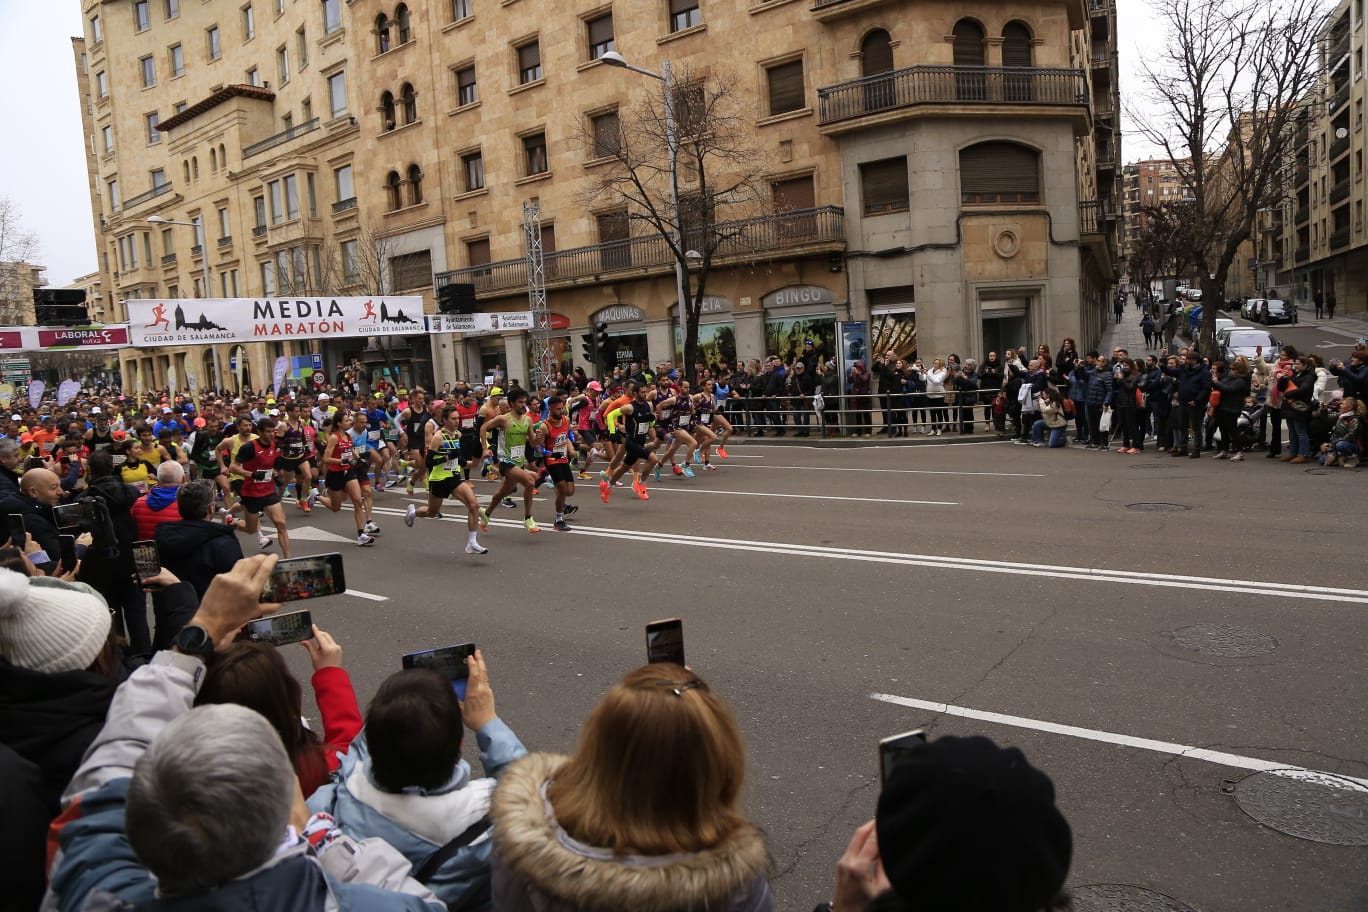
(665, 641)
(305, 578)
(446, 660)
(894, 748)
(279, 629)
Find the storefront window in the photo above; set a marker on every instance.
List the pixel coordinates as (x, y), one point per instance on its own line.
(785, 336)
(716, 343)
(895, 332)
(624, 348)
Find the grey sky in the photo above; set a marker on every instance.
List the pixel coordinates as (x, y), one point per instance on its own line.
(42, 160)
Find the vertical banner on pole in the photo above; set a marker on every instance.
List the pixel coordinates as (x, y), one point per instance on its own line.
(6, 394)
(35, 392)
(852, 343)
(278, 375)
(171, 381)
(66, 390)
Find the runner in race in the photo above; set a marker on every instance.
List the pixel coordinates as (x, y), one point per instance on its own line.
(446, 479)
(583, 409)
(704, 403)
(638, 432)
(340, 476)
(468, 419)
(204, 453)
(413, 434)
(720, 395)
(514, 429)
(227, 455)
(556, 440)
(365, 447)
(675, 412)
(256, 462)
(609, 411)
(296, 441)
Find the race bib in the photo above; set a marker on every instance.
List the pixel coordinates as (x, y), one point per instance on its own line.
(47, 447)
(263, 475)
(372, 435)
(140, 487)
(685, 421)
(468, 423)
(516, 452)
(451, 465)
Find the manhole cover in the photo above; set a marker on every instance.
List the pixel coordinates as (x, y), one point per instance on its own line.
(1123, 898)
(1317, 472)
(1157, 507)
(1229, 640)
(1310, 805)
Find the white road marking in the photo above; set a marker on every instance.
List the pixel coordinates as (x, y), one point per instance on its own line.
(1238, 761)
(367, 595)
(869, 446)
(868, 500)
(313, 533)
(894, 471)
(976, 565)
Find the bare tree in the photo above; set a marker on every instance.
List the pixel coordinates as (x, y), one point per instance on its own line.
(1165, 245)
(1227, 85)
(18, 250)
(720, 171)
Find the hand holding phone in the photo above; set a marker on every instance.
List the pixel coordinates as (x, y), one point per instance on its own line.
(281, 629)
(68, 552)
(305, 577)
(17, 533)
(447, 660)
(146, 560)
(665, 641)
(893, 749)
(323, 649)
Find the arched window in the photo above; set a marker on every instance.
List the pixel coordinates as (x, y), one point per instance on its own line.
(393, 199)
(999, 172)
(185, 165)
(223, 156)
(387, 112)
(415, 182)
(401, 20)
(409, 98)
(194, 166)
(213, 159)
(1016, 52)
(876, 56)
(382, 33)
(969, 52)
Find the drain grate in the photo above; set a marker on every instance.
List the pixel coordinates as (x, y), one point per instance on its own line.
(1319, 807)
(1123, 898)
(1157, 507)
(1229, 640)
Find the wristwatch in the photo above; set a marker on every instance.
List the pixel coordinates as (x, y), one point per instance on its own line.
(194, 641)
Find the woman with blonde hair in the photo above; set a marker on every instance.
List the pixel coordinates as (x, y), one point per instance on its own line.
(645, 815)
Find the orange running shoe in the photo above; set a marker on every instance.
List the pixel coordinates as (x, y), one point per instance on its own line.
(604, 490)
(722, 451)
(641, 492)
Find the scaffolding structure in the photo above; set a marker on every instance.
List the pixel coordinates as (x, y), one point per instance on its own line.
(543, 359)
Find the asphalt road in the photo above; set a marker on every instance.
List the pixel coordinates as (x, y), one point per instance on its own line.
(985, 577)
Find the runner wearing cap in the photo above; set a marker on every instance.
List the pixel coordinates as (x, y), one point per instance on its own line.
(583, 410)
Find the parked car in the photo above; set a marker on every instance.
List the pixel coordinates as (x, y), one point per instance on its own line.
(1270, 311)
(1248, 307)
(1251, 343)
(1222, 324)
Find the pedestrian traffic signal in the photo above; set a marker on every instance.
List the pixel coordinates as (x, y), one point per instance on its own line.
(601, 337)
(59, 307)
(456, 298)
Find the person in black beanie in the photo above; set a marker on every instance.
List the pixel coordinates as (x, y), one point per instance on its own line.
(962, 825)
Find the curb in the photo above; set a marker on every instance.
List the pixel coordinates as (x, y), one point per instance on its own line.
(851, 443)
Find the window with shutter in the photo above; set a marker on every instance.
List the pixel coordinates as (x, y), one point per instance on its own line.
(999, 172)
(876, 53)
(969, 52)
(411, 270)
(466, 91)
(1016, 53)
(614, 240)
(534, 154)
(607, 135)
(683, 14)
(600, 36)
(785, 87)
(883, 186)
(477, 252)
(792, 197)
(529, 63)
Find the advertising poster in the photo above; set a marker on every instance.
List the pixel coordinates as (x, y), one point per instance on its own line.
(853, 343)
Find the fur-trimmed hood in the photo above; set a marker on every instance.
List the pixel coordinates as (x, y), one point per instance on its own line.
(533, 850)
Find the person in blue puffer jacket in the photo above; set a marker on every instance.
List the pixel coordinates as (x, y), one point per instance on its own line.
(404, 781)
(1097, 398)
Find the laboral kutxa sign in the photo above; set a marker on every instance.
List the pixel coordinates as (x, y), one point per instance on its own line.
(62, 338)
(203, 321)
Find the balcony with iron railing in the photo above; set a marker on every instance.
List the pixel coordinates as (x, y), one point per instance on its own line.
(1339, 99)
(827, 10)
(1092, 217)
(1339, 50)
(1340, 237)
(1339, 146)
(156, 191)
(1101, 7)
(169, 260)
(344, 205)
(1303, 213)
(948, 87)
(757, 239)
(1302, 254)
(225, 241)
(258, 231)
(280, 138)
(1340, 191)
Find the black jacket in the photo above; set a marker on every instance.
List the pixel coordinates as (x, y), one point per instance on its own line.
(197, 550)
(1233, 389)
(118, 498)
(37, 520)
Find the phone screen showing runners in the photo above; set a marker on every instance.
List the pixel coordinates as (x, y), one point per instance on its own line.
(146, 562)
(305, 578)
(449, 661)
(295, 627)
(665, 641)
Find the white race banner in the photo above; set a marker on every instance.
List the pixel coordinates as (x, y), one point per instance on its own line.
(480, 323)
(205, 321)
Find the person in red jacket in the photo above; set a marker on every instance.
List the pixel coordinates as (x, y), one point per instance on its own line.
(158, 505)
(255, 675)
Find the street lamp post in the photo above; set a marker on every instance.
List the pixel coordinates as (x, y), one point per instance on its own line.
(614, 59)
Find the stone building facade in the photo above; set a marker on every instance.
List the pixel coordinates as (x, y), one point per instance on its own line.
(945, 171)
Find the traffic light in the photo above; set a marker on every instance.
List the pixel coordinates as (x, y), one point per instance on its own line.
(601, 337)
(587, 340)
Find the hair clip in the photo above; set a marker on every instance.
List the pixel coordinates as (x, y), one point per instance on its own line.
(678, 687)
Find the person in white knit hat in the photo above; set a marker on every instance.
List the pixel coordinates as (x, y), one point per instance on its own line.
(59, 668)
(49, 625)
